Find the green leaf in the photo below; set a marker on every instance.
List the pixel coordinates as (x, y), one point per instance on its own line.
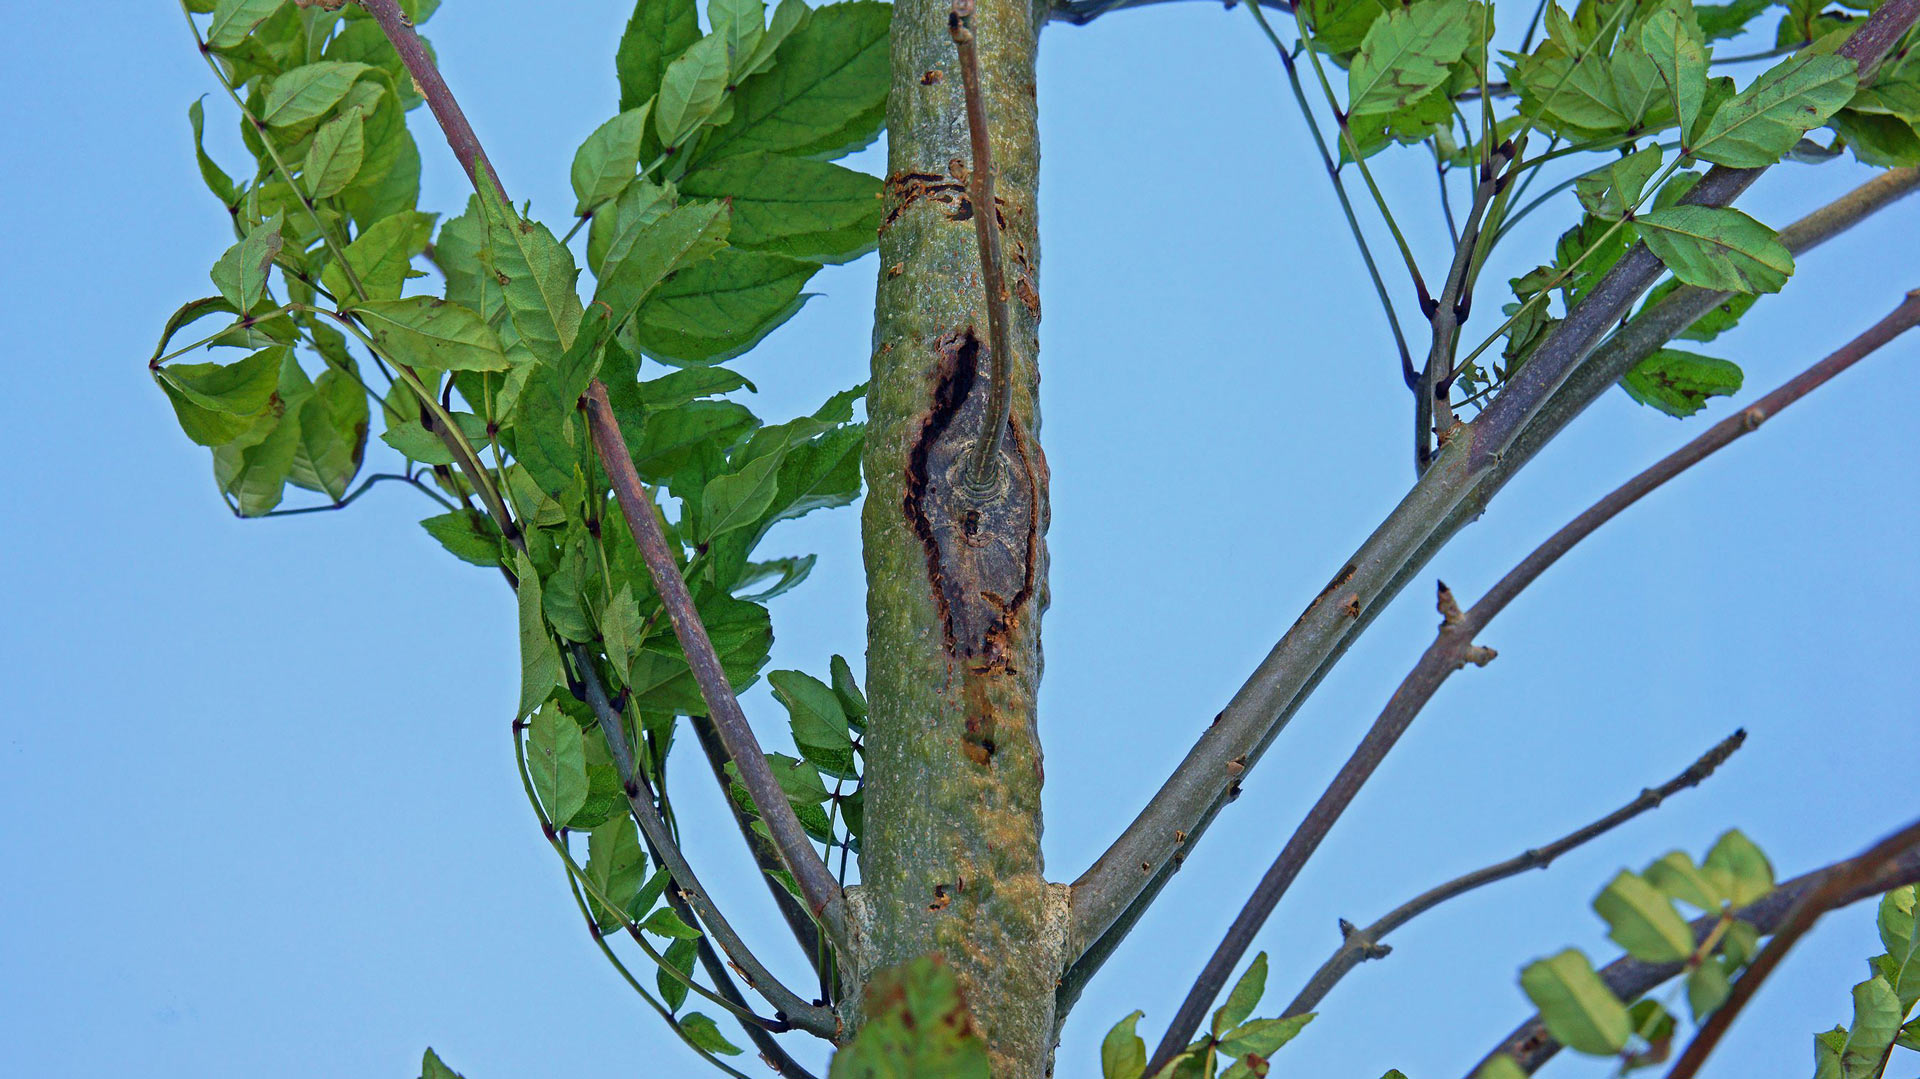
(1241, 999)
(799, 779)
(242, 388)
(1612, 191)
(470, 536)
(1262, 1037)
(741, 634)
(1718, 248)
(1339, 26)
(1739, 869)
(918, 1027)
(241, 273)
(853, 703)
(1677, 876)
(335, 154)
(1406, 54)
(1762, 122)
(1643, 921)
(819, 725)
(1899, 923)
(616, 867)
(556, 757)
(1678, 383)
(825, 95)
(308, 91)
(1878, 139)
(620, 629)
(233, 20)
(665, 923)
(1501, 1066)
(787, 17)
(540, 668)
(785, 573)
(1723, 317)
(641, 202)
(214, 176)
(793, 206)
(691, 90)
(680, 955)
(333, 435)
(1575, 1004)
(658, 31)
(1876, 1023)
(1707, 988)
(1909, 1036)
(717, 309)
(425, 331)
(739, 24)
(1720, 21)
(647, 251)
(1681, 58)
(606, 163)
(381, 257)
(254, 466)
(701, 1031)
(737, 499)
(536, 276)
(1123, 1055)
(432, 1068)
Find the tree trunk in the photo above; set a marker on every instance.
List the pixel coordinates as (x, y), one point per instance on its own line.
(957, 580)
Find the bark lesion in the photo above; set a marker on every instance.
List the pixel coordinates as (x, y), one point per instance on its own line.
(982, 549)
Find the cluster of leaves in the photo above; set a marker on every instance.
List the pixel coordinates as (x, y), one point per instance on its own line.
(1582, 1012)
(696, 255)
(827, 723)
(1233, 1040)
(1882, 1003)
(1629, 81)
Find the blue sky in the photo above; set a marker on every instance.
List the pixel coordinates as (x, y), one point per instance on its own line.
(261, 811)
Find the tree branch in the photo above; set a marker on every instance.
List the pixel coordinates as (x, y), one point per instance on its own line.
(983, 462)
(1639, 337)
(1433, 410)
(426, 78)
(805, 930)
(815, 1019)
(1082, 12)
(1146, 853)
(1359, 945)
(1628, 978)
(1806, 912)
(1454, 647)
(815, 880)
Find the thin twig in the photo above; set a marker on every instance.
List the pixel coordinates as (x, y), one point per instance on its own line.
(347, 500)
(426, 78)
(984, 461)
(1530, 1045)
(1332, 170)
(1082, 12)
(1454, 647)
(593, 926)
(1433, 412)
(578, 876)
(815, 880)
(805, 931)
(812, 1018)
(1359, 945)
